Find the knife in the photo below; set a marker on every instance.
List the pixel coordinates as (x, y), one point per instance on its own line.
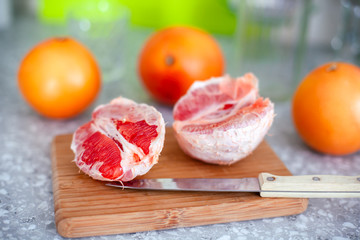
(268, 185)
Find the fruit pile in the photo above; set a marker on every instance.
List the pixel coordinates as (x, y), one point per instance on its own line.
(217, 119)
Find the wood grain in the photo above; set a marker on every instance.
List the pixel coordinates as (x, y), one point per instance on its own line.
(86, 207)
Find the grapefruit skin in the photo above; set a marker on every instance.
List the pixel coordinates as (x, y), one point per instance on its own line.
(326, 109)
(59, 78)
(173, 58)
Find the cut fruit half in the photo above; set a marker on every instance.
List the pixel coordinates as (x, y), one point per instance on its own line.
(222, 120)
(123, 140)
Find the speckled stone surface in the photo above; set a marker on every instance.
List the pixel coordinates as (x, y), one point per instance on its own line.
(26, 199)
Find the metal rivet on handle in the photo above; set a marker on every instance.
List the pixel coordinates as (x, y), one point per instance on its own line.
(316, 179)
(270, 179)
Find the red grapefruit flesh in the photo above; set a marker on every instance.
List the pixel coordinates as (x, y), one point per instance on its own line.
(123, 140)
(222, 120)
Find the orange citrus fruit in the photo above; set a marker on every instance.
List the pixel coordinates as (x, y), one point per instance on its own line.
(326, 108)
(59, 78)
(173, 58)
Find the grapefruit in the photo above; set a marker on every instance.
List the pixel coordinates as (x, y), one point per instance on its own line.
(173, 58)
(326, 108)
(59, 78)
(123, 140)
(222, 120)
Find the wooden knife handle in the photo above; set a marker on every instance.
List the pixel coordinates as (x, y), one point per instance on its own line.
(309, 186)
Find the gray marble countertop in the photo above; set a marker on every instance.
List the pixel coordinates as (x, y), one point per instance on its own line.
(26, 199)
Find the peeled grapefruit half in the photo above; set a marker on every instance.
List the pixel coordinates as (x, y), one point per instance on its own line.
(123, 140)
(222, 120)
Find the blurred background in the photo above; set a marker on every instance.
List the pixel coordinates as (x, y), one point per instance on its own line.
(279, 40)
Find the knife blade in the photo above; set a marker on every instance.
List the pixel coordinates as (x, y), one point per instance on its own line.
(268, 185)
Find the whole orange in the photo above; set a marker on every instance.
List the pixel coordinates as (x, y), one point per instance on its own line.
(59, 78)
(326, 108)
(173, 58)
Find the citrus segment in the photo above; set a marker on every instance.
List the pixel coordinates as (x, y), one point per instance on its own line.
(215, 97)
(139, 133)
(100, 148)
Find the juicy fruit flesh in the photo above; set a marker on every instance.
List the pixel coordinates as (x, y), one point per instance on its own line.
(251, 112)
(222, 120)
(139, 133)
(101, 148)
(123, 140)
(216, 97)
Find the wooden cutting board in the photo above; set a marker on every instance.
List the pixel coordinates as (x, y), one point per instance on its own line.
(86, 207)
